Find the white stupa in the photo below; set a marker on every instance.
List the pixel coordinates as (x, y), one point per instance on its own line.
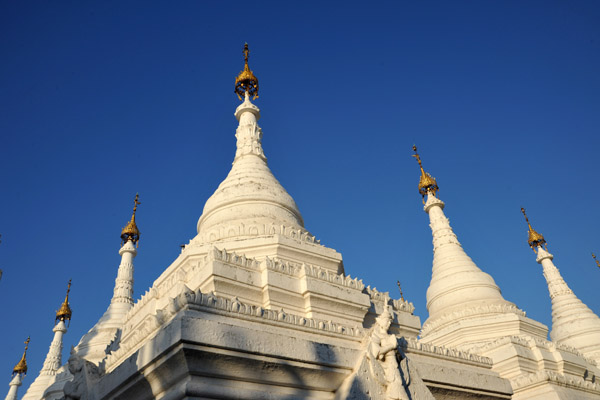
(93, 345)
(19, 371)
(53, 361)
(466, 307)
(573, 323)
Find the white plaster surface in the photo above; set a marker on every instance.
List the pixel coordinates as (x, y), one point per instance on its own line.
(52, 364)
(14, 384)
(573, 323)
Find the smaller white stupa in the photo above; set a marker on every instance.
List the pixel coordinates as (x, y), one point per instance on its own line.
(573, 323)
(93, 345)
(53, 361)
(465, 305)
(19, 371)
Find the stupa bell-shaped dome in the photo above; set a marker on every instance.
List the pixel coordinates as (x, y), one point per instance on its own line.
(250, 195)
(250, 201)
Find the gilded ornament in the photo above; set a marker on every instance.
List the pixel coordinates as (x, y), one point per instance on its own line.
(21, 367)
(131, 231)
(64, 312)
(246, 82)
(535, 239)
(427, 183)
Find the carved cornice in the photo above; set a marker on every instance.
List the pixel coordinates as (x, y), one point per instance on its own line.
(555, 378)
(134, 336)
(418, 346)
(317, 272)
(532, 342)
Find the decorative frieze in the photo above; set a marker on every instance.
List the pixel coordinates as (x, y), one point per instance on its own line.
(397, 305)
(556, 378)
(323, 274)
(418, 346)
(134, 336)
(241, 229)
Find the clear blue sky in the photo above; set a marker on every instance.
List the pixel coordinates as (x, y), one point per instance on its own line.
(98, 102)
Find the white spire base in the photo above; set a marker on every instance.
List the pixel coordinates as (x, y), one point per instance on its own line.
(573, 323)
(14, 387)
(51, 365)
(93, 344)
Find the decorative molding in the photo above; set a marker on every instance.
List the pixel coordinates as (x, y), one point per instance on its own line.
(249, 140)
(284, 267)
(221, 232)
(397, 305)
(315, 271)
(430, 325)
(133, 336)
(532, 342)
(555, 378)
(231, 258)
(418, 346)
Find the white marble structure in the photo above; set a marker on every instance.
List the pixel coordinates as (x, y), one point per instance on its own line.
(255, 307)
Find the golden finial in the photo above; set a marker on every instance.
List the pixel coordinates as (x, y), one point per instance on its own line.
(21, 367)
(535, 239)
(400, 289)
(64, 312)
(597, 262)
(131, 231)
(427, 183)
(246, 82)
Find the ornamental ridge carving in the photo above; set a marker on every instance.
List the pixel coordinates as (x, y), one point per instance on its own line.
(209, 302)
(434, 324)
(285, 267)
(531, 342)
(249, 140)
(231, 258)
(418, 346)
(556, 378)
(223, 232)
(327, 275)
(397, 305)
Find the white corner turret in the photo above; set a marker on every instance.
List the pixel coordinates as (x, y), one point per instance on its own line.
(93, 345)
(53, 360)
(573, 323)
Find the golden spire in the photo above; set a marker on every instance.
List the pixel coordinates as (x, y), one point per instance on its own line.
(597, 262)
(400, 289)
(64, 312)
(427, 183)
(21, 367)
(131, 231)
(246, 82)
(535, 239)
